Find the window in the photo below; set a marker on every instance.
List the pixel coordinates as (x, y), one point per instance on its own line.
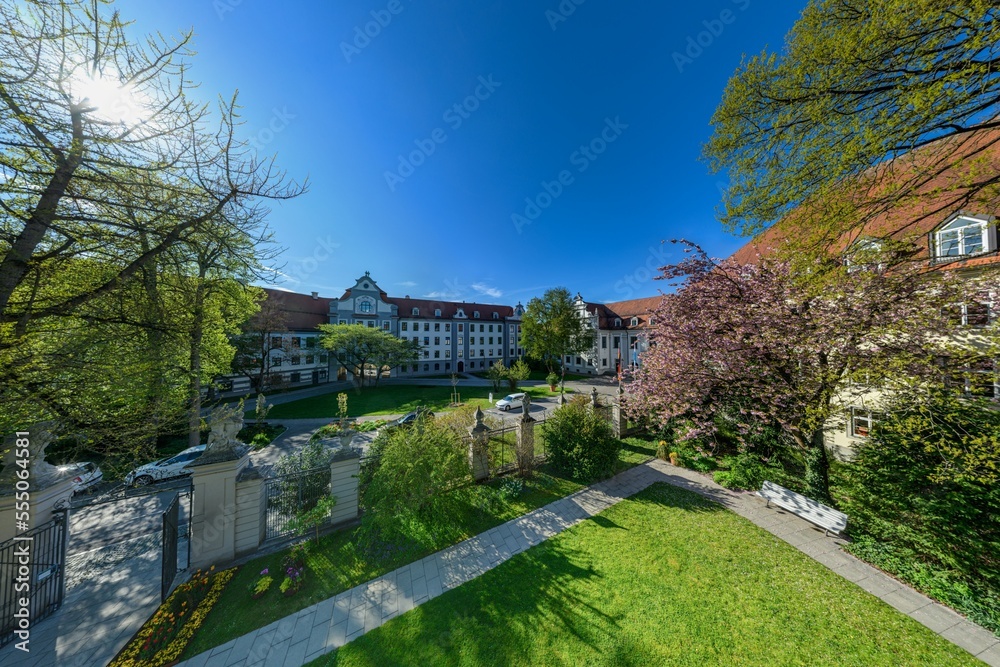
(447, 366)
(461, 353)
(482, 353)
(427, 340)
(447, 327)
(311, 342)
(496, 316)
(975, 314)
(310, 358)
(437, 367)
(482, 340)
(385, 325)
(275, 341)
(447, 340)
(962, 236)
(296, 342)
(415, 312)
(414, 368)
(604, 342)
(604, 362)
(437, 326)
(427, 326)
(618, 322)
(491, 353)
(512, 352)
(491, 328)
(461, 327)
(578, 361)
(427, 367)
(635, 321)
(324, 358)
(617, 343)
(371, 324)
(427, 354)
(475, 314)
(403, 326)
(343, 321)
(437, 340)
(437, 312)
(861, 423)
(491, 340)
(296, 360)
(365, 307)
(437, 354)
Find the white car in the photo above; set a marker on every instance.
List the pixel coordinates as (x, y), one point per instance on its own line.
(510, 401)
(85, 475)
(168, 468)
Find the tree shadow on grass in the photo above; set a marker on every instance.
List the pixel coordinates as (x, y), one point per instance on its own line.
(548, 598)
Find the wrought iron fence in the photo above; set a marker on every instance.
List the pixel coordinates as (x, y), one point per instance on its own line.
(287, 495)
(33, 565)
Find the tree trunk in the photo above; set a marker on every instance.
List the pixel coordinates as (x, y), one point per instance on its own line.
(197, 331)
(818, 469)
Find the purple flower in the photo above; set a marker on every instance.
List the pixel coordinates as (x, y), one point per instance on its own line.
(263, 572)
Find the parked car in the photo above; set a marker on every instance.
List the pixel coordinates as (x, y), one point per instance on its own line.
(85, 475)
(168, 468)
(411, 418)
(511, 401)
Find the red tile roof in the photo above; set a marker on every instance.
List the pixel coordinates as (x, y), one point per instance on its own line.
(302, 311)
(940, 180)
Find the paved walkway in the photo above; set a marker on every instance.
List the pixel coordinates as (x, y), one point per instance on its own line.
(323, 627)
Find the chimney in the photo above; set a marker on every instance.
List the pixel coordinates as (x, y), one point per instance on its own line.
(315, 295)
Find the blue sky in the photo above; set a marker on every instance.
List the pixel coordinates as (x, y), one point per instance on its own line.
(481, 151)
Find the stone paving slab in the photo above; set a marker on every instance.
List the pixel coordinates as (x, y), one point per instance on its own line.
(327, 625)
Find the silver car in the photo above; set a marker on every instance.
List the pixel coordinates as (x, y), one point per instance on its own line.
(168, 468)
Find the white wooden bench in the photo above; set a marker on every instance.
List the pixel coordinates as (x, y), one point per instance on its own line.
(825, 517)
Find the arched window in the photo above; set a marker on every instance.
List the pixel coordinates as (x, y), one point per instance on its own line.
(365, 307)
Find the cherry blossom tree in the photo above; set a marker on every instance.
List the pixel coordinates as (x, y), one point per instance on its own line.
(769, 347)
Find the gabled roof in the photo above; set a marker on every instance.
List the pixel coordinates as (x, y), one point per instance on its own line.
(944, 178)
(303, 312)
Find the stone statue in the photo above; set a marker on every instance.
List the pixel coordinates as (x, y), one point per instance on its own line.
(41, 473)
(225, 421)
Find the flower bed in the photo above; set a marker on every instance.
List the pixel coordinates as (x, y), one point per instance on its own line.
(163, 637)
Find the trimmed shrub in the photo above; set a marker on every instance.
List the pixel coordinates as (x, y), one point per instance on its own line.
(581, 443)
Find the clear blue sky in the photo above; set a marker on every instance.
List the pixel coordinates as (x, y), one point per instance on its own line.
(443, 224)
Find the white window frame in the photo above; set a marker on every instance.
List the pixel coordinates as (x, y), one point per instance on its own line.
(862, 414)
(960, 232)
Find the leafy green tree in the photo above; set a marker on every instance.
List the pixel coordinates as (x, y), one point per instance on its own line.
(109, 171)
(365, 350)
(858, 84)
(552, 328)
(580, 442)
(497, 374)
(518, 372)
(926, 480)
(260, 335)
(412, 492)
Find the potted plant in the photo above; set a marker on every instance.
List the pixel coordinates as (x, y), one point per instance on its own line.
(673, 458)
(553, 380)
(345, 434)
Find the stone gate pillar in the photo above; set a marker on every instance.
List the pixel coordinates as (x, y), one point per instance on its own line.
(478, 448)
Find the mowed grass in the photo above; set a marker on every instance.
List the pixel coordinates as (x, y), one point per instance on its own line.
(392, 400)
(337, 563)
(664, 578)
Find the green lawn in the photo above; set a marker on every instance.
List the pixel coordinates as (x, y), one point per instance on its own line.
(664, 578)
(337, 564)
(391, 400)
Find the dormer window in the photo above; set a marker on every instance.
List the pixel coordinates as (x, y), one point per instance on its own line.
(865, 254)
(475, 314)
(496, 316)
(460, 313)
(635, 321)
(962, 236)
(618, 322)
(415, 312)
(437, 312)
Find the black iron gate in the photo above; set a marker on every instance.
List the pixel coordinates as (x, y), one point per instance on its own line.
(169, 559)
(32, 568)
(286, 495)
